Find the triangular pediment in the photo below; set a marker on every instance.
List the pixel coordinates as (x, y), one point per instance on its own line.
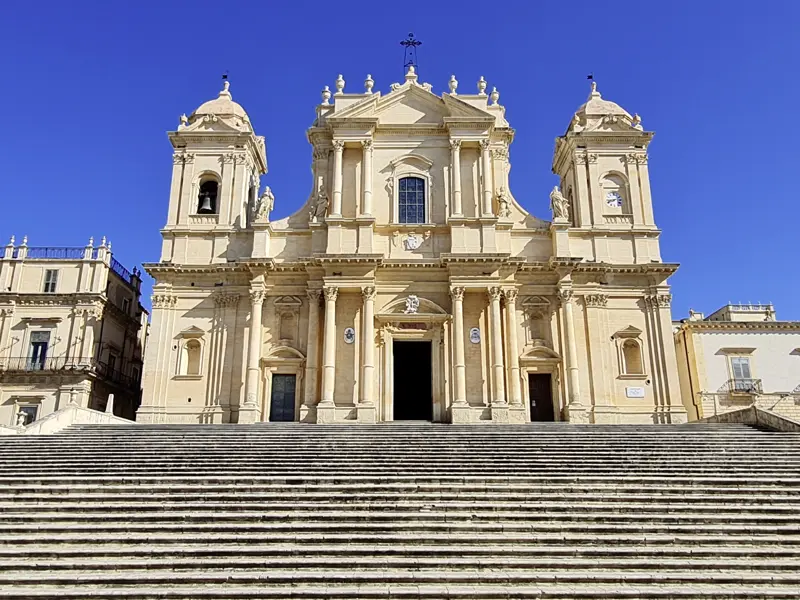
(191, 332)
(410, 104)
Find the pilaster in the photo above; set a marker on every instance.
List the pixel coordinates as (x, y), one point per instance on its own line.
(576, 411)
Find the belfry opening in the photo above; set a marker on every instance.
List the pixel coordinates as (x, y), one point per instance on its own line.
(413, 390)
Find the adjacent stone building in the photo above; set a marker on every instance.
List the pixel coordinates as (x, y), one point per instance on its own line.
(71, 330)
(412, 283)
(739, 355)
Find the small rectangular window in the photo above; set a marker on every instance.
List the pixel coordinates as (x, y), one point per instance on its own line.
(126, 306)
(740, 365)
(50, 281)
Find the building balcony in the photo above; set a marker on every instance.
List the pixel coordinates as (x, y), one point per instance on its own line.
(65, 365)
(741, 386)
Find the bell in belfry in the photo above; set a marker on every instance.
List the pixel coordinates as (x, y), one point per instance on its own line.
(207, 198)
(205, 204)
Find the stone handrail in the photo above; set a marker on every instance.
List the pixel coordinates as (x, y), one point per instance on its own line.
(63, 418)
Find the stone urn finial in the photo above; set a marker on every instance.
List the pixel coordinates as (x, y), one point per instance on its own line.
(494, 96)
(326, 95)
(339, 85)
(368, 84)
(482, 86)
(453, 84)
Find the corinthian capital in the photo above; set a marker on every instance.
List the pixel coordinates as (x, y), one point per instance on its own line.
(458, 293)
(368, 292)
(455, 144)
(565, 295)
(257, 296)
(510, 294)
(596, 300)
(338, 145)
(331, 293)
(494, 293)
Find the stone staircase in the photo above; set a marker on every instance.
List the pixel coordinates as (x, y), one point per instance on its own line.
(400, 511)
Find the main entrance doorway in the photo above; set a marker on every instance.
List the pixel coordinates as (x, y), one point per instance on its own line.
(413, 389)
(281, 404)
(541, 393)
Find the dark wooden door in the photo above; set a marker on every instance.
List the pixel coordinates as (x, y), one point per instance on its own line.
(541, 393)
(281, 405)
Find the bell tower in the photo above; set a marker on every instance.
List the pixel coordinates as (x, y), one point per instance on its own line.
(217, 162)
(601, 161)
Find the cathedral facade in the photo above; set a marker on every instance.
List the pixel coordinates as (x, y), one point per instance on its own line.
(412, 284)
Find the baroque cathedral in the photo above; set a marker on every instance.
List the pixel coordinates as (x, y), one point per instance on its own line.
(412, 284)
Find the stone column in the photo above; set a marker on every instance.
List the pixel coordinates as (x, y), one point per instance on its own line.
(662, 317)
(6, 316)
(486, 166)
(329, 348)
(87, 340)
(366, 409)
(310, 392)
(248, 415)
(338, 155)
(455, 154)
(514, 387)
(458, 345)
(366, 207)
(497, 347)
(576, 410)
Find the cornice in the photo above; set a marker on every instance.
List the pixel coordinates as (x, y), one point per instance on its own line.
(25, 299)
(350, 259)
(154, 269)
(482, 258)
(752, 326)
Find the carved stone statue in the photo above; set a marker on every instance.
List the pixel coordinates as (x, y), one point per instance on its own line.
(264, 206)
(503, 206)
(320, 207)
(21, 418)
(559, 205)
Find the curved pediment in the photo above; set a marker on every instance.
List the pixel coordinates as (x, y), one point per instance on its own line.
(539, 352)
(405, 306)
(284, 352)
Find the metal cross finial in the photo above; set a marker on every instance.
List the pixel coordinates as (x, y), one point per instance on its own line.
(410, 53)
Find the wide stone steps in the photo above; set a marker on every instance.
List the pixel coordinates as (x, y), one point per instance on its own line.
(416, 591)
(402, 511)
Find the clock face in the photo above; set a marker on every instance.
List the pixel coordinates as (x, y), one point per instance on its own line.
(613, 199)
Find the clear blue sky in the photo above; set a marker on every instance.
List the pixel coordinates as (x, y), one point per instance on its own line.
(90, 88)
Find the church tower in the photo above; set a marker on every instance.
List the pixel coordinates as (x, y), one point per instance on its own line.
(215, 178)
(602, 164)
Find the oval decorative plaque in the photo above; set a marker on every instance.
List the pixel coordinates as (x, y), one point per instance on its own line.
(475, 335)
(349, 335)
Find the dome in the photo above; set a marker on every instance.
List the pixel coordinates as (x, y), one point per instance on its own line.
(595, 106)
(222, 105)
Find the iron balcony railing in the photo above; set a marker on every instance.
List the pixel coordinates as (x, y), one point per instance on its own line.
(58, 253)
(120, 270)
(742, 386)
(26, 364)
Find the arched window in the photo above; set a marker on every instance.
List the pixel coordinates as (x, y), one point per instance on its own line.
(632, 355)
(411, 200)
(207, 198)
(615, 194)
(191, 358)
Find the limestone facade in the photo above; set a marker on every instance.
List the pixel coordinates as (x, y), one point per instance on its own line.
(738, 356)
(411, 272)
(72, 330)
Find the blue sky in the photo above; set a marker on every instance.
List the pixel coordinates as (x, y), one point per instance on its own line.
(90, 88)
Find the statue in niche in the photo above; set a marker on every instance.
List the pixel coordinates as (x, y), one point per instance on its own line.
(264, 206)
(559, 205)
(503, 205)
(320, 207)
